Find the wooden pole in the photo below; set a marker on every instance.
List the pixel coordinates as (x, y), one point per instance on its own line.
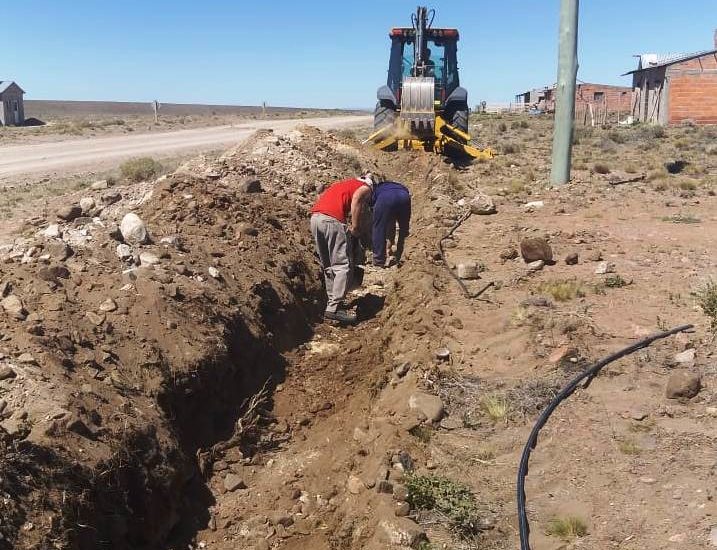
(565, 92)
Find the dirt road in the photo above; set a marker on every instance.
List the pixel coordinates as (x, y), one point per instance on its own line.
(74, 154)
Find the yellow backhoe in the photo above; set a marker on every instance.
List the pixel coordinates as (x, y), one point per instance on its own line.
(422, 106)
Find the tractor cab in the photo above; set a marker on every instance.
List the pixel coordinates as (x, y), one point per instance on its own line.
(440, 60)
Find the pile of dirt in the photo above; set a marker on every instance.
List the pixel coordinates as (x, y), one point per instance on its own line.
(129, 342)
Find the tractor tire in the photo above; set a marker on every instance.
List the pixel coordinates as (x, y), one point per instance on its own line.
(459, 118)
(383, 115)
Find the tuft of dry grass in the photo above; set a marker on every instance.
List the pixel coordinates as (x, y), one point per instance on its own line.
(629, 447)
(567, 528)
(563, 290)
(496, 407)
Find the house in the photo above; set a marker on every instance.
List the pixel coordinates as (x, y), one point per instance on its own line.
(669, 89)
(602, 98)
(12, 109)
(537, 97)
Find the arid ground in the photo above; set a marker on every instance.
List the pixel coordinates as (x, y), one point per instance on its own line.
(166, 380)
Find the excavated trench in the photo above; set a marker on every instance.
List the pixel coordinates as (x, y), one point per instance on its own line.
(204, 408)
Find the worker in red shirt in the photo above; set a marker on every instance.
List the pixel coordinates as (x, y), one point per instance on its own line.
(333, 234)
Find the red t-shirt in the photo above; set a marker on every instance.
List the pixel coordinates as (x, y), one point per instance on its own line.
(336, 200)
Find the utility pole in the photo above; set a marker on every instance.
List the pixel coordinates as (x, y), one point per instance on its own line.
(565, 92)
(155, 107)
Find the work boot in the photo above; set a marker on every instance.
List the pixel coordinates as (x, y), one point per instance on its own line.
(342, 316)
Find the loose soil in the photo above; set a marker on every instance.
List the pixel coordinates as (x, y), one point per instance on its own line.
(216, 410)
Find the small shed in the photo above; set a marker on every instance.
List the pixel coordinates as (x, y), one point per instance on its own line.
(669, 89)
(12, 108)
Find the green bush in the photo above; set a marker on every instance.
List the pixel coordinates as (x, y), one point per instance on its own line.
(448, 498)
(140, 169)
(707, 300)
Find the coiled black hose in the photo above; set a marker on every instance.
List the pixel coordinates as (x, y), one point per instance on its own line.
(566, 392)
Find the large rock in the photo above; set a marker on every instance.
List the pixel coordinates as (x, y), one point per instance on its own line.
(685, 357)
(430, 405)
(69, 213)
(232, 482)
(148, 259)
(572, 258)
(536, 248)
(52, 231)
(124, 251)
(14, 307)
(59, 250)
(603, 268)
(401, 532)
(683, 385)
(482, 205)
(133, 229)
(6, 372)
(87, 204)
(111, 197)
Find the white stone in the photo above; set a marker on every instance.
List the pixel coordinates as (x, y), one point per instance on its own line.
(99, 185)
(148, 259)
(482, 204)
(108, 305)
(468, 270)
(430, 405)
(52, 231)
(14, 307)
(533, 205)
(124, 251)
(536, 265)
(214, 272)
(87, 204)
(687, 356)
(604, 267)
(354, 485)
(133, 229)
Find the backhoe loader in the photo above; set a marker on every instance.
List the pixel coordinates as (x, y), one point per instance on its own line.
(422, 106)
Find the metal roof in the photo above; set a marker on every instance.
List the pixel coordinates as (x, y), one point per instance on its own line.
(5, 84)
(653, 60)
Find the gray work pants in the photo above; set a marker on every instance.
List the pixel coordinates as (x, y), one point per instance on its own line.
(333, 248)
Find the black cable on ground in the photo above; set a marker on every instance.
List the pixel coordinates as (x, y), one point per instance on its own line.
(587, 376)
(463, 286)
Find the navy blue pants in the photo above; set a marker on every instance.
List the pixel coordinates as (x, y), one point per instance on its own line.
(391, 209)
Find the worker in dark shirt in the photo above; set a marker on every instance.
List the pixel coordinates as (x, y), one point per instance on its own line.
(391, 204)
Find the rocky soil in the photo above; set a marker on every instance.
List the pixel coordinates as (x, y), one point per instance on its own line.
(166, 381)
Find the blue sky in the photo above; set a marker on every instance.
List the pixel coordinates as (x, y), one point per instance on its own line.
(318, 53)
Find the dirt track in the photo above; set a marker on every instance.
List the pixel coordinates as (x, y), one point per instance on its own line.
(46, 157)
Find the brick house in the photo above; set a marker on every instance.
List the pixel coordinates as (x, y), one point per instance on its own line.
(12, 109)
(602, 97)
(669, 89)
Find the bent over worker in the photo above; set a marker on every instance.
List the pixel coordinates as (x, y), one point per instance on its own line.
(391, 203)
(333, 235)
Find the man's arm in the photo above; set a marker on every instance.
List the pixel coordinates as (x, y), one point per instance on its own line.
(358, 202)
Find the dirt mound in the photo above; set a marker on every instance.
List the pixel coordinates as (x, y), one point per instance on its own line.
(126, 357)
